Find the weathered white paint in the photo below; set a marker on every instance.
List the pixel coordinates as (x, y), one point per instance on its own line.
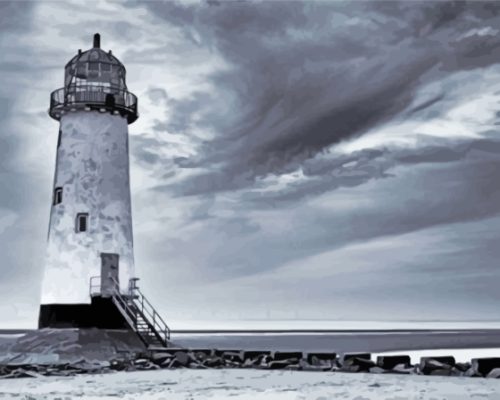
(92, 167)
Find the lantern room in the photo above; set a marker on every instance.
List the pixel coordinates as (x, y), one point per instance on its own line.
(94, 80)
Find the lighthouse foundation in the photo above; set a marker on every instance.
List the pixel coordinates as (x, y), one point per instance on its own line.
(100, 313)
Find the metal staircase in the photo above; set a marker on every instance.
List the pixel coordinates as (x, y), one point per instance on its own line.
(139, 313)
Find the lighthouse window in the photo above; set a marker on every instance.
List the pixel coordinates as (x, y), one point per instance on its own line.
(81, 71)
(58, 191)
(82, 220)
(105, 67)
(93, 66)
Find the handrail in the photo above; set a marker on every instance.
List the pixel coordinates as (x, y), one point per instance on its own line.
(158, 325)
(93, 286)
(156, 317)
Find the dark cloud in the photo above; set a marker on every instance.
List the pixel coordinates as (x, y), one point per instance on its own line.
(304, 76)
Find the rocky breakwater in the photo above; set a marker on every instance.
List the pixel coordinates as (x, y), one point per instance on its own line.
(279, 360)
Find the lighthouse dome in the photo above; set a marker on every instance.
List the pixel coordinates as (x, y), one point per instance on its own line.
(96, 67)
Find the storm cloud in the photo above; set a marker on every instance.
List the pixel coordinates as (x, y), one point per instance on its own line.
(283, 149)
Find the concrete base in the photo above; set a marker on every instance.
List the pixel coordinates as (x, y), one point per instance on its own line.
(101, 313)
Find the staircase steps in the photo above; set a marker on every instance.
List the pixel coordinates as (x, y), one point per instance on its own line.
(142, 317)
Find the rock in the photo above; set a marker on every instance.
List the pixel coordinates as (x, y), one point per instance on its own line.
(484, 366)
(214, 362)
(321, 359)
(201, 353)
(22, 373)
(279, 364)
(287, 355)
(389, 362)
(351, 368)
(471, 372)
(347, 356)
(181, 358)
(232, 355)
(494, 373)
(445, 372)
(362, 363)
(429, 364)
(255, 354)
(160, 358)
(462, 367)
(147, 366)
(119, 365)
(402, 369)
(174, 363)
(377, 370)
(166, 362)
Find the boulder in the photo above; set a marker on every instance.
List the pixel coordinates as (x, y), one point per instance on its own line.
(471, 372)
(352, 368)
(429, 364)
(494, 373)
(402, 369)
(347, 356)
(287, 355)
(213, 362)
(389, 362)
(355, 364)
(205, 352)
(181, 358)
(255, 355)
(483, 366)
(159, 358)
(462, 367)
(231, 355)
(280, 364)
(321, 359)
(445, 372)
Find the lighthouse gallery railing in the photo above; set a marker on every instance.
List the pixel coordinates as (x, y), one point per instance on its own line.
(92, 95)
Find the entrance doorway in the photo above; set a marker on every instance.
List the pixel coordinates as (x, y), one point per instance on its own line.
(109, 273)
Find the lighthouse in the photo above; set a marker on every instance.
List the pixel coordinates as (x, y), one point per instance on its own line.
(90, 244)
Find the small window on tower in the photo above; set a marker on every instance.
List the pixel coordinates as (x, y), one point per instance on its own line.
(59, 138)
(82, 222)
(58, 195)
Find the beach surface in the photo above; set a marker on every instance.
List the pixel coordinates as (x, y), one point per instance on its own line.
(248, 384)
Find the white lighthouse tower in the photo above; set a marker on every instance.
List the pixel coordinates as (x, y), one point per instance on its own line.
(90, 228)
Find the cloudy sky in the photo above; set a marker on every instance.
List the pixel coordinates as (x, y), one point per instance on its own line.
(317, 160)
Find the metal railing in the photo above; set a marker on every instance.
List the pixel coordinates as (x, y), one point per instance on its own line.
(136, 302)
(97, 96)
(150, 314)
(95, 286)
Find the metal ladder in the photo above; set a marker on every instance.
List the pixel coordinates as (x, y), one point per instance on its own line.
(139, 313)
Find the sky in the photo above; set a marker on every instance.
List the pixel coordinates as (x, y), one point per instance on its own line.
(292, 160)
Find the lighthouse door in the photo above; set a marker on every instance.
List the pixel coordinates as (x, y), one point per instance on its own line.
(109, 273)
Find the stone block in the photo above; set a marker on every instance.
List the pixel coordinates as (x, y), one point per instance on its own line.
(279, 364)
(494, 373)
(484, 366)
(429, 364)
(320, 358)
(287, 355)
(389, 362)
(347, 356)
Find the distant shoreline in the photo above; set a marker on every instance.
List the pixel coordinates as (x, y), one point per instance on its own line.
(288, 331)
